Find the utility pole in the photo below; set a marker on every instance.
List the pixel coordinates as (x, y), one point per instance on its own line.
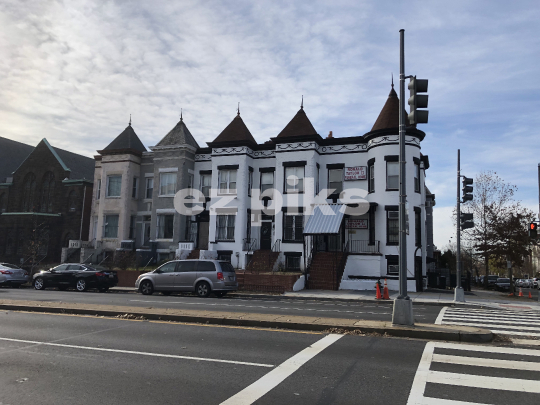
(403, 312)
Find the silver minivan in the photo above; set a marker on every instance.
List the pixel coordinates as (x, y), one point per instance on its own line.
(200, 276)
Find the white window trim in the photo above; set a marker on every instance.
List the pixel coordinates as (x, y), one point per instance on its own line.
(168, 169)
(228, 191)
(107, 189)
(175, 185)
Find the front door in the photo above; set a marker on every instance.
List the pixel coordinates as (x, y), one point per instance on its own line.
(146, 233)
(418, 274)
(202, 242)
(266, 235)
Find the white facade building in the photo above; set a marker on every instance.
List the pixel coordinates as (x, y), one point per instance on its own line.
(291, 169)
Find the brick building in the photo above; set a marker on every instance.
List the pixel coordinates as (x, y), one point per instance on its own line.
(45, 200)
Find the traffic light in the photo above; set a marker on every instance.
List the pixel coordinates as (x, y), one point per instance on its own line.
(467, 189)
(533, 230)
(466, 221)
(418, 101)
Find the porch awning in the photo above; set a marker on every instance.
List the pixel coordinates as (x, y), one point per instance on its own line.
(326, 219)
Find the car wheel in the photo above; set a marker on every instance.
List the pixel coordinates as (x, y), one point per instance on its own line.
(81, 285)
(203, 289)
(220, 294)
(39, 284)
(147, 288)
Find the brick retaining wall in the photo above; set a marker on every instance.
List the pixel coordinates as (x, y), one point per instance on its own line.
(266, 282)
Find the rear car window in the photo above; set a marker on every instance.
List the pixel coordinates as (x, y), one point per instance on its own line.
(206, 266)
(503, 280)
(10, 266)
(226, 267)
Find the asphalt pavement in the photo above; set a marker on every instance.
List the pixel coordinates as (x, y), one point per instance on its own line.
(65, 359)
(277, 305)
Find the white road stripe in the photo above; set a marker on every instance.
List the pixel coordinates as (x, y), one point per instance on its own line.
(494, 311)
(526, 342)
(485, 319)
(480, 381)
(488, 349)
(440, 401)
(482, 362)
(441, 315)
(172, 356)
(275, 377)
(526, 328)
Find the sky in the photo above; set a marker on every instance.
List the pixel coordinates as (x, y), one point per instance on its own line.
(73, 72)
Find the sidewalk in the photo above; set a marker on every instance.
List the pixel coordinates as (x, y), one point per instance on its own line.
(430, 297)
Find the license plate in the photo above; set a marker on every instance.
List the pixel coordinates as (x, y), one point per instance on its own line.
(231, 278)
(111, 276)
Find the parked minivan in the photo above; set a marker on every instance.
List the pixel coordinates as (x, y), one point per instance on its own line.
(200, 276)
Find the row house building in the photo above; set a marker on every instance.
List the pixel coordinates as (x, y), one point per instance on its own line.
(264, 206)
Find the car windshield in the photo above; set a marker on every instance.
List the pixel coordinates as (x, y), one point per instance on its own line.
(9, 266)
(226, 267)
(503, 280)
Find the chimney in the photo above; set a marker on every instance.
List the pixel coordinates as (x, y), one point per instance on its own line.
(329, 135)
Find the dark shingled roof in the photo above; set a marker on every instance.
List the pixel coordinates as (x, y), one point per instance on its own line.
(81, 167)
(389, 116)
(179, 135)
(12, 154)
(235, 132)
(126, 140)
(300, 125)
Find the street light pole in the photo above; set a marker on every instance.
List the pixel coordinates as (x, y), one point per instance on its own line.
(459, 294)
(403, 312)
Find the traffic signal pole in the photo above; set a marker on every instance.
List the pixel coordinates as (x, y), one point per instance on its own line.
(459, 294)
(403, 312)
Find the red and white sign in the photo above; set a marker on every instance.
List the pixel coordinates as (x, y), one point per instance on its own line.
(356, 173)
(356, 224)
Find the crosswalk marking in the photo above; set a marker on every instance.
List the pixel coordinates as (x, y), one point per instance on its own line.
(424, 374)
(501, 321)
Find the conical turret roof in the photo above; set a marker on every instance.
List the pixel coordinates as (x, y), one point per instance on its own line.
(300, 125)
(235, 132)
(128, 139)
(179, 135)
(389, 116)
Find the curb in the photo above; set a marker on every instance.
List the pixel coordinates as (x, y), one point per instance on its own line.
(419, 331)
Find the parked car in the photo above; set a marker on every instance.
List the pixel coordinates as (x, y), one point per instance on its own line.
(2, 279)
(492, 280)
(525, 283)
(14, 275)
(502, 284)
(534, 282)
(200, 276)
(75, 275)
(518, 282)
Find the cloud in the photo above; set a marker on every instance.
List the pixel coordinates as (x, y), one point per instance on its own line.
(73, 72)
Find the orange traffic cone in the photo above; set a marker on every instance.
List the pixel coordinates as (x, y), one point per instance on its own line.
(385, 291)
(378, 293)
(530, 295)
(520, 292)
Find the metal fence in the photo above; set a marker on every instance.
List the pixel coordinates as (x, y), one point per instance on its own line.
(363, 246)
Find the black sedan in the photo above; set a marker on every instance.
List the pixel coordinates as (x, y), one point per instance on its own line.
(74, 275)
(502, 284)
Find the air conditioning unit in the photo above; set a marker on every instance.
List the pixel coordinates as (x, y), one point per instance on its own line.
(127, 245)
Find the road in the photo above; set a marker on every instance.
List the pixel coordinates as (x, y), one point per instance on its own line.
(61, 359)
(266, 305)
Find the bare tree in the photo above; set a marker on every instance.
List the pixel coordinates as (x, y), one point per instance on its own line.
(36, 244)
(497, 218)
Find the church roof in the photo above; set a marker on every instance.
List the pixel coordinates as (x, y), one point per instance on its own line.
(300, 125)
(128, 139)
(389, 116)
(235, 132)
(12, 153)
(179, 135)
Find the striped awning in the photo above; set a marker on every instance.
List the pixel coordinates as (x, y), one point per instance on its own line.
(326, 219)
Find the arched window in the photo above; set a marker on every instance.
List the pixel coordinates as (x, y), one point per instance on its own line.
(3, 202)
(72, 201)
(29, 192)
(47, 192)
